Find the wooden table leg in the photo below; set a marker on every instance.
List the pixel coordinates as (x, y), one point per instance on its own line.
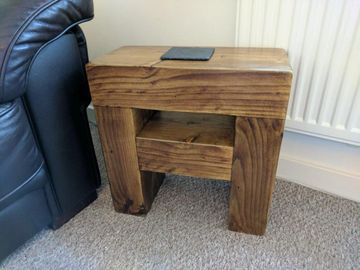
(256, 153)
(132, 190)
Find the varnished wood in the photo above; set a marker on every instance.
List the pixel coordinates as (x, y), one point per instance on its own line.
(141, 118)
(190, 127)
(238, 59)
(132, 190)
(256, 152)
(230, 58)
(249, 84)
(185, 158)
(240, 82)
(189, 144)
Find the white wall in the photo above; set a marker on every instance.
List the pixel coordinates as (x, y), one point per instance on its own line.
(160, 22)
(321, 164)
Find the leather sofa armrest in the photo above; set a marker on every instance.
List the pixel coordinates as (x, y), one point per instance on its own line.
(25, 27)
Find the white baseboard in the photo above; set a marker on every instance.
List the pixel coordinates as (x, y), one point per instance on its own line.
(320, 164)
(318, 177)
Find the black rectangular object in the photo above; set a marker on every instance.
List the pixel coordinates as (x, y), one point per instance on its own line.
(188, 53)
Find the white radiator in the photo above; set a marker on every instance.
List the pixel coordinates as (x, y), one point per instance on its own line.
(323, 41)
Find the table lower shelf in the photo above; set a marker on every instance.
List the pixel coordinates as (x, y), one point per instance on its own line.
(199, 145)
(139, 145)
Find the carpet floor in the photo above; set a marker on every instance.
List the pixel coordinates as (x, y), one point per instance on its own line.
(187, 229)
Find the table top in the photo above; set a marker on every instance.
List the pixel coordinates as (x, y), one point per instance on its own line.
(252, 82)
(224, 58)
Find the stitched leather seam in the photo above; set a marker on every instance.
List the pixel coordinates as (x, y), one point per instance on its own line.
(19, 32)
(23, 184)
(47, 43)
(8, 109)
(16, 36)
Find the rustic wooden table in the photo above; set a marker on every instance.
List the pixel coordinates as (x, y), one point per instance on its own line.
(219, 119)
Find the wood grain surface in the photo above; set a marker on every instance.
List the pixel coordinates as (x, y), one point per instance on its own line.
(188, 159)
(190, 127)
(247, 88)
(189, 144)
(132, 191)
(225, 58)
(256, 152)
(236, 81)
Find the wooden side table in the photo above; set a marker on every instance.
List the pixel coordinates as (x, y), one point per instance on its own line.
(221, 119)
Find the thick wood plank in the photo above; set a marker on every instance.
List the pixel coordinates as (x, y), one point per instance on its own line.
(225, 58)
(132, 191)
(185, 158)
(131, 56)
(236, 81)
(189, 144)
(256, 152)
(190, 127)
(258, 94)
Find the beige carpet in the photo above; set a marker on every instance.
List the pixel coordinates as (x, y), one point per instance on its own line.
(187, 229)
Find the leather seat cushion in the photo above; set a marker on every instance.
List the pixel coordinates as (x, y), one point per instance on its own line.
(20, 158)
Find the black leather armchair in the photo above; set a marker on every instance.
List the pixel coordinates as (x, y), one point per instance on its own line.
(48, 168)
